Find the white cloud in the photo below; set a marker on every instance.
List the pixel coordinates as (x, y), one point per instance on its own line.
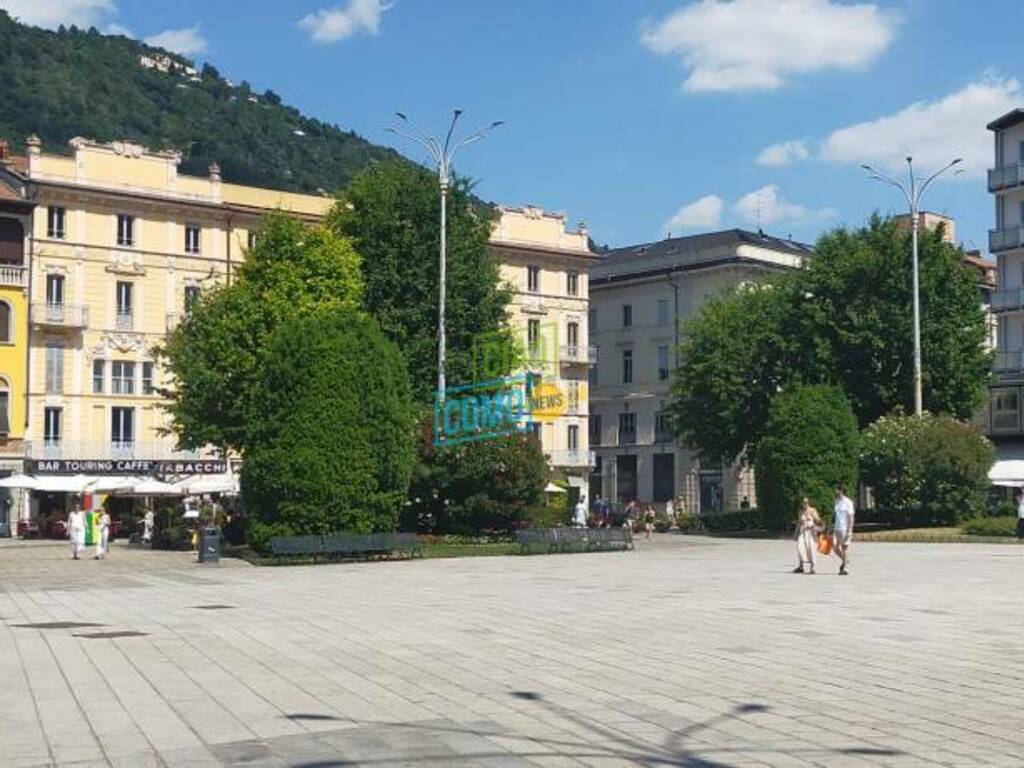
(187, 41)
(705, 213)
(933, 132)
(784, 153)
(733, 45)
(117, 29)
(767, 206)
(328, 25)
(52, 13)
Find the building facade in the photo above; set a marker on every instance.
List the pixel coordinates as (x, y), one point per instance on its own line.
(1006, 243)
(546, 266)
(639, 297)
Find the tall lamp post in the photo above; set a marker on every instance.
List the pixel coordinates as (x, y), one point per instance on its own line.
(913, 195)
(442, 155)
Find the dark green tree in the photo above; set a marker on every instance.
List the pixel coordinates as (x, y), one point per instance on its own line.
(215, 354)
(330, 435)
(810, 444)
(391, 213)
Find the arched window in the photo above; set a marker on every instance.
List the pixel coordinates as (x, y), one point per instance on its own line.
(6, 323)
(5, 407)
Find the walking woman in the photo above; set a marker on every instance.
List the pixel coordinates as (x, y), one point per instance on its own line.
(808, 526)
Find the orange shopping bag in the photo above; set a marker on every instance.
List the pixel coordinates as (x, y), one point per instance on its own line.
(824, 544)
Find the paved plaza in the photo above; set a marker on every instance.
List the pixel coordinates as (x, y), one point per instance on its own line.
(686, 652)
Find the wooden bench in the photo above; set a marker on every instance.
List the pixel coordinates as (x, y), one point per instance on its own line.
(534, 541)
(347, 545)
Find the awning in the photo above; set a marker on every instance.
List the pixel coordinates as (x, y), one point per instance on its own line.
(62, 483)
(151, 487)
(197, 485)
(1009, 472)
(110, 483)
(18, 481)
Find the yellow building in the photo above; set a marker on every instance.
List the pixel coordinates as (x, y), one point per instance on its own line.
(15, 223)
(120, 243)
(546, 266)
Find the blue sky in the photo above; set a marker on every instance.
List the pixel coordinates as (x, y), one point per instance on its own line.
(638, 117)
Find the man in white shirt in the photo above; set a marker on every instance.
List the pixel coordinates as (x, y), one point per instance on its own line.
(1020, 515)
(842, 527)
(76, 531)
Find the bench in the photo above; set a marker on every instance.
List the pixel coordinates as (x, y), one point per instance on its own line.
(347, 545)
(534, 541)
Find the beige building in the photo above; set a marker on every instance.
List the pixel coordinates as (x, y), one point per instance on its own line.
(546, 266)
(120, 243)
(639, 297)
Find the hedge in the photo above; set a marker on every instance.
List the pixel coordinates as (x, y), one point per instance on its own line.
(990, 526)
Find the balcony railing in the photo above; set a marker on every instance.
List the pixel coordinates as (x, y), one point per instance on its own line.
(1005, 239)
(125, 321)
(60, 315)
(113, 449)
(574, 354)
(627, 438)
(1004, 177)
(1007, 301)
(572, 458)
(12, 276)
(1008, 361)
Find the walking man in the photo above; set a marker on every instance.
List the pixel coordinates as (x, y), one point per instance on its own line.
(103, 540)
(842, 527)
(76, 531)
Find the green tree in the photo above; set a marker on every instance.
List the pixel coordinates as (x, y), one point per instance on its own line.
(391, 213)
(330, 433)
(926, 470)
(215, 354)
(810, 444)
(844, 319)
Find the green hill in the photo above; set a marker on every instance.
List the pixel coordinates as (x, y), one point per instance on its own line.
(81, 83)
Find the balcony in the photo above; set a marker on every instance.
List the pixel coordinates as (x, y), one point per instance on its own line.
(1011, 362)
(573, 354)
(1005, 239)
(113, 449)
(1007, 301)
(124, 320)
(572, 458)
(60, 315)
(13, 276)
(627, 437)
(1004, 177)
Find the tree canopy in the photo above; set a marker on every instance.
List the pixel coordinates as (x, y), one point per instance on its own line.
(391, 213)
(845, 320)
(215, 355)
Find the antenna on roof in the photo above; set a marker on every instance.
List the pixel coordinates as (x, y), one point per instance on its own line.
(759, 213)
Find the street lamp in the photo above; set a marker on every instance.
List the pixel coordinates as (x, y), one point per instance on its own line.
(442, 155)
(913, 195)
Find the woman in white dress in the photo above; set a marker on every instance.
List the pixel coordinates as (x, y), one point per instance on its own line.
(808, 526)
(76, 531)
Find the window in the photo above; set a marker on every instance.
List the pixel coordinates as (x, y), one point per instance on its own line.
(191, 297)
(55, 290)
(533, 279)
(627, 366)
(533, 338)
(662, 427)
(5, 323)
(55, 222)
(122, 428)
(573, 393)
(572, 332)
(627, 428)
(124, 306)
(662, 311)
(572, 283)
(1005, 409)
(573, 437)
(592, 320)
(125, 229)
(595, 430)
(54, 368)
(122, 377)
(251, 239)
(191, 238)
(592, 375)
(51, 426)
(662, 363)
(147, 378)
(99, 376)
(627, 315)
(5, 409)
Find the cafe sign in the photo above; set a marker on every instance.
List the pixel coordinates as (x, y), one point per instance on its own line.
(150, 467)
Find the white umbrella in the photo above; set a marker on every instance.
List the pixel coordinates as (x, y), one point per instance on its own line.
(1009, 472)
(153, 487)
(112, 483)
(62, 483)
(18, 481)
(552, 488)
(197, 485)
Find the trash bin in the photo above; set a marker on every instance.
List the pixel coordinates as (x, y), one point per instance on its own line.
(209, 544)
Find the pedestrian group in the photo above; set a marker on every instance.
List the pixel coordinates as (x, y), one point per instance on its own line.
(812, 537)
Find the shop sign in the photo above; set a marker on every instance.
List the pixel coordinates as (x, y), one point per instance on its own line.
(151, 467)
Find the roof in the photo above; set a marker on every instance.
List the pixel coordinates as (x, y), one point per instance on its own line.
(1008, 120)
(11, 196)
(692, 250)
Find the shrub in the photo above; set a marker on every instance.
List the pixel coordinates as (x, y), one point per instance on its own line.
(990, 526)
(928, 470)
(810, 445)
(330, 444)
(732, 521)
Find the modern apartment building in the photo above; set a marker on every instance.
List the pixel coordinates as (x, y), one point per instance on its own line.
(639, 297)
(1006, 242)
(547, 267)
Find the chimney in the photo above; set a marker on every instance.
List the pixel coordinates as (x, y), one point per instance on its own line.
(215, 191)
(34, 150)
(214, 172)
(5, 157)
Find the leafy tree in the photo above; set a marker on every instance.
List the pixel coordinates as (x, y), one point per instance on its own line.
(926, 470)
(330, 433)
(810, 444)
(215, 355)
(844, 319)
(391, 211)
(488, 485)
